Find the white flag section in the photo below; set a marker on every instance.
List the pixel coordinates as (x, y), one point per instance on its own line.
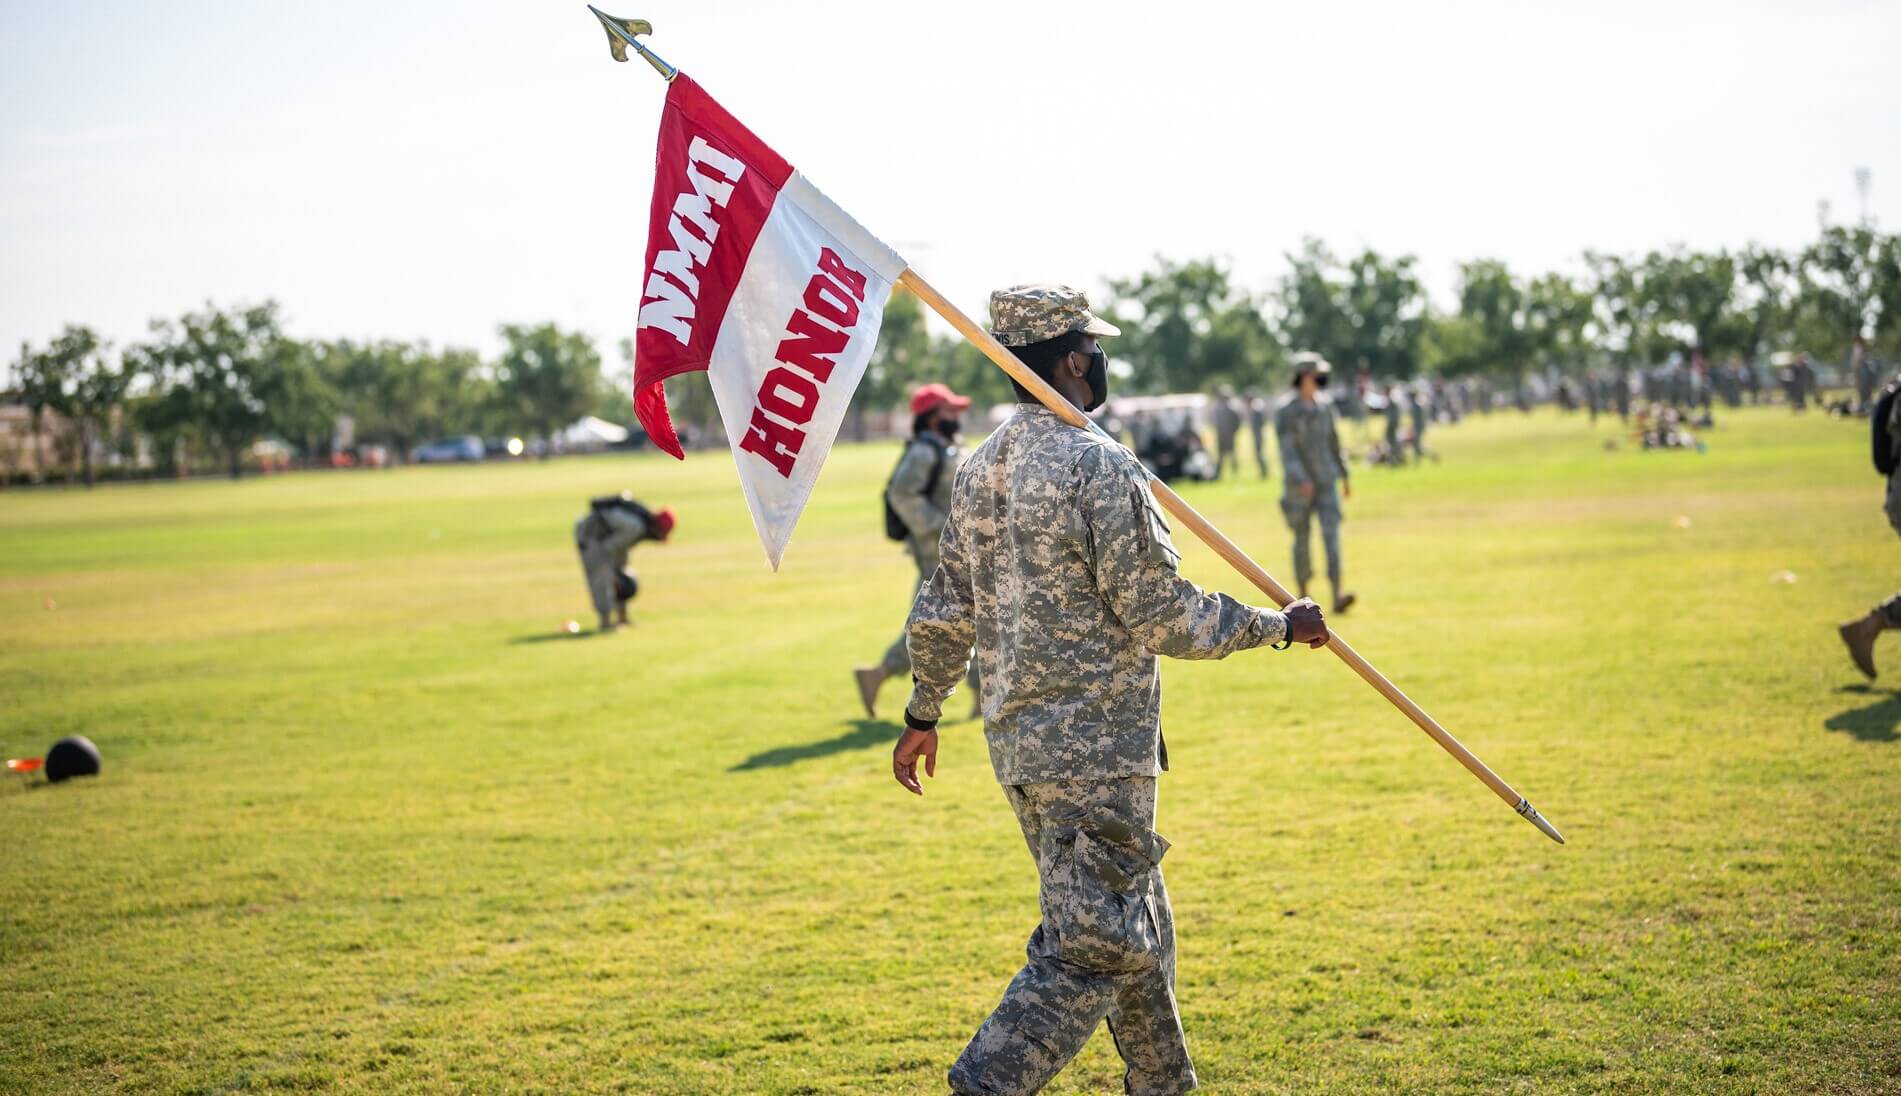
(755, 278)
(796, 337)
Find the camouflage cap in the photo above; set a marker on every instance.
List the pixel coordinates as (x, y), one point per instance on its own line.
(1025, 314)
(1306, 361)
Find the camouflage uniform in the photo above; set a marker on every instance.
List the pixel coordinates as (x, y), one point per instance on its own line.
(1310, 454)
(1058, 568)
(603, 538)
(1227, 427)
(924, 513)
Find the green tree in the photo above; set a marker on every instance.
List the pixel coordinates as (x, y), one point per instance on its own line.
(1364, 313)
(214, 374)
(1560, 317)
(1620, 307)
(78, 378)
(1687, 298)
(546, 378)
(403, 394)
(1766, 293)
(1187, 327)
(44, 379)
(98, 387)
(1848, 287)
(1494, 334)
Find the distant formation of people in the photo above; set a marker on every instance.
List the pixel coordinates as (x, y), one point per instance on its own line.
(604, 536)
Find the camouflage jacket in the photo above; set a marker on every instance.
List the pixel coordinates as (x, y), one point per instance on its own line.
(1058, 568)
(1310, 446)
(924, 508)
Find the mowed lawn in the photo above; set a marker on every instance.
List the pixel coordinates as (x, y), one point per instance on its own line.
(369, 821)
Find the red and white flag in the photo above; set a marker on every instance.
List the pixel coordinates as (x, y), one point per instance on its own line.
(756, 279)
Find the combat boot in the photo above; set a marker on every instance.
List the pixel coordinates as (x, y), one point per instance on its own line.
(1860, 635)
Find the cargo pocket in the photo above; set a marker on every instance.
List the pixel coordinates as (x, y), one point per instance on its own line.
(1100, 894)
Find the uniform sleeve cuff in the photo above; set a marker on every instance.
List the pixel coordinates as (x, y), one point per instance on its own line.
(924, 707)
(1272, 626)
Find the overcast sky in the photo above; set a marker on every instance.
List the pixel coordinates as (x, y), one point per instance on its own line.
(428, 171)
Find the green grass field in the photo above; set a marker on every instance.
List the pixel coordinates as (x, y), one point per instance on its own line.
(370, 822)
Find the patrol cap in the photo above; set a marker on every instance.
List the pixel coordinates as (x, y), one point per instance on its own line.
(1307, 362)
(1025, 314)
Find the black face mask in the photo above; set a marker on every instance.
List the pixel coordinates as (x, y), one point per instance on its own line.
(1098, 378)
(950, 428)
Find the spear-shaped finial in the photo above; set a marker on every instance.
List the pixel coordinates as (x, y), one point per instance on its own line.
(622, 33)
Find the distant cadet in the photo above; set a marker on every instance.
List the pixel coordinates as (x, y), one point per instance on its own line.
(916, 504)
(1227, 428)
(1313, 473)
(1885, 427)
(603, 537)
(1422, 414)
(1395, 416)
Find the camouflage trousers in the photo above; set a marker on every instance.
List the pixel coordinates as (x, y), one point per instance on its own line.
(1105, 948)
(1300, 514)
(600, 566)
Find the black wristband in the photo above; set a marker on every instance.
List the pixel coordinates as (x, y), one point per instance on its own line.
(916, 724)
(1287, 636)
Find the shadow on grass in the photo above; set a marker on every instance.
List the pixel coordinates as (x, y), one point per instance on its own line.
(1877, 722)
(864, 732)
(549, 637)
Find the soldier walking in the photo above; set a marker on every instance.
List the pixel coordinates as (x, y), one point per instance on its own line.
(1860, 634)
(603, 537)
(1314, 473)
(917, 503)
(1059, 570)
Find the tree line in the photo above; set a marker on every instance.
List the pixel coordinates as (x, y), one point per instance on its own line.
(200, 390)
(1188, 327)
(203, 388)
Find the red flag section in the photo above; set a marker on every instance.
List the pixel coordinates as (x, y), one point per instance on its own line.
(714, 185)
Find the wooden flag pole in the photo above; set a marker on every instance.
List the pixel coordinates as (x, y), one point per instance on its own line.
(623, 34)
(1226, 549)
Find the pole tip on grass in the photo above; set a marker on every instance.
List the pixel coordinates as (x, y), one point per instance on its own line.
(1532, 816)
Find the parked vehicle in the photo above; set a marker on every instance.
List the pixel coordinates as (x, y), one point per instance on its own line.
(449, 450)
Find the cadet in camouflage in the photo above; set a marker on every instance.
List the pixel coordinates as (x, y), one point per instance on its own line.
(1314, 474)
(1860, 634)
(603, 537)
(1058, 569)
(919, 497)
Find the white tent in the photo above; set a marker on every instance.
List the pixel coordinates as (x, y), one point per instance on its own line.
(592, 433)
